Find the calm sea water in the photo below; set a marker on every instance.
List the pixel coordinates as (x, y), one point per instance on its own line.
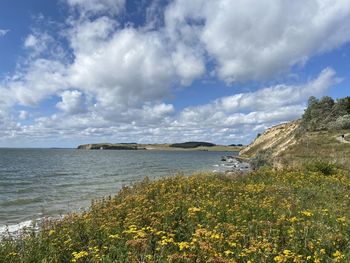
(36, 183)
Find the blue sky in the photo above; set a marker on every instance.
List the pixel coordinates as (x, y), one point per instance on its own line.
(75, 71)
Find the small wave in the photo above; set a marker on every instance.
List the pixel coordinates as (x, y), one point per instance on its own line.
(22, 201)
(16, 228)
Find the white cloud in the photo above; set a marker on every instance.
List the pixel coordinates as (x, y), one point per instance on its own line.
(31, 41)
(129, 68)
(259, 39)
(72, 102)
(264, 107)
(7, 98)
(23, 115)
(94, 7)
(43, 45)
(88, 36)
(188, 64)
(8, 125)
(279, 95)
(42, 79)
(3, 32)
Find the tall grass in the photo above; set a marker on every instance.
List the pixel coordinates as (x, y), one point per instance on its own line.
(321, 145)
(266, 216)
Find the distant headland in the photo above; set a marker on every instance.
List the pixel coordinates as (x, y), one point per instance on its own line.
(194, 146)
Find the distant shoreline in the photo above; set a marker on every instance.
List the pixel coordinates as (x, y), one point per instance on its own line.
(158, 147)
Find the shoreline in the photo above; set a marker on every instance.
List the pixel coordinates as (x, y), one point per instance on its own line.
(227, 168)
(156, 147)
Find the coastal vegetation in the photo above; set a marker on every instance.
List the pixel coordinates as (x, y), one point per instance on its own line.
(326, 114)
(265, 216)
(321, 134)
(326, 146)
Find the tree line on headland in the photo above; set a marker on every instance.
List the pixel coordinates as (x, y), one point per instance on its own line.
(326, 114)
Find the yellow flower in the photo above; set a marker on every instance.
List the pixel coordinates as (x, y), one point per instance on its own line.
(337, 256)
(193, 210)
(183, 245)
(51, 232)
(278, 259)
(307, 213)
(116, 236)
(232, 244)
(78, 255)
(215, 236)
(165, 240)
(141, 234)
(293, 219)
(341, 219)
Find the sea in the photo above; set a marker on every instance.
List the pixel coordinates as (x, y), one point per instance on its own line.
(49, 183)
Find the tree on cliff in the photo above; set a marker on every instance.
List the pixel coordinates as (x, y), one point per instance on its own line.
(326, 114)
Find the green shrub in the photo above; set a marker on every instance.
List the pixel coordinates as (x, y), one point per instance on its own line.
(324, 167)
(262, 158)
(343, 122)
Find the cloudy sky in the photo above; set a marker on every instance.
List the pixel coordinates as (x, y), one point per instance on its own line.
(81, 71)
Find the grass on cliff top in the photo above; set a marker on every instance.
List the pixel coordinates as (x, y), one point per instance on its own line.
(321, 145)
(266, 216)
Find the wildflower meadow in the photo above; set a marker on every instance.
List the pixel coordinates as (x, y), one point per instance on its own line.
(265, 216)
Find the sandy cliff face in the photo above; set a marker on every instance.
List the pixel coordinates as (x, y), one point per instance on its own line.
(276, 139)
(85, 147)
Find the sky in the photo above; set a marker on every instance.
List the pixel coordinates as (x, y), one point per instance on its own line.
(164, 71)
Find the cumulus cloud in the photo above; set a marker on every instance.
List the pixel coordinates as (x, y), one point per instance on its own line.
(188, 64)
(42, 79)
(259, 39)
(279, 95)
(88, 36)
(129, 68)
(72, 102)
